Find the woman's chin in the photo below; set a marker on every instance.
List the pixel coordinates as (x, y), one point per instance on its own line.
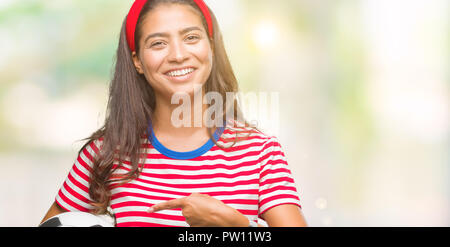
(190, 89)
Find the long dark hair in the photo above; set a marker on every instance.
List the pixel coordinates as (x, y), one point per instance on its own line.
(131, 104)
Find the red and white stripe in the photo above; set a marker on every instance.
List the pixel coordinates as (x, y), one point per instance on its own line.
(252, 177)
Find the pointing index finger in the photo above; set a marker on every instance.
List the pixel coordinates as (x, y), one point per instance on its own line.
(171, 204)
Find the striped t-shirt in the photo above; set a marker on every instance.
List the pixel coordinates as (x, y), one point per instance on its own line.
(252, 176)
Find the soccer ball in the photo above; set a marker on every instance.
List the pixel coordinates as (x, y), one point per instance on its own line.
(78, 219)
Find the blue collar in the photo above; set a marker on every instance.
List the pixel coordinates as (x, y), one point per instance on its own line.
(184, 155)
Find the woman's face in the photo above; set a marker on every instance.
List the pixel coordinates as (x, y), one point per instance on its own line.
(175, 53)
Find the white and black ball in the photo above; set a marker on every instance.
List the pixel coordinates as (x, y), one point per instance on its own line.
(78, 219)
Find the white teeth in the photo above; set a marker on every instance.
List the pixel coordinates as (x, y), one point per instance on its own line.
(181, 72)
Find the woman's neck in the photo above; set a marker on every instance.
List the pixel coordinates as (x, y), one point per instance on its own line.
(166, 119)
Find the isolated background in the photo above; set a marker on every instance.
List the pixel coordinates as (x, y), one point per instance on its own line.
(364, 90)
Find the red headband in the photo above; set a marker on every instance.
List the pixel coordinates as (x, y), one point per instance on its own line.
(136, 9)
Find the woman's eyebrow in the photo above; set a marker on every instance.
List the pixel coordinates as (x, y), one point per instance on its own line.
(165, 35)
(188, 29)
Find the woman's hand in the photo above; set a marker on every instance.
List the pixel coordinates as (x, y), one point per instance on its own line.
(204, 210)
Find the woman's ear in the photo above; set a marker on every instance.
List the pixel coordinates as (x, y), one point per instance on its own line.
(137, 63)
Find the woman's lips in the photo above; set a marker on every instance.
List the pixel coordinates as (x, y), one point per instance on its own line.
(181, 75)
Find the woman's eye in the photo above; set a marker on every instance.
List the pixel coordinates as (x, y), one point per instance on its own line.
(192, 38)
(158, 43)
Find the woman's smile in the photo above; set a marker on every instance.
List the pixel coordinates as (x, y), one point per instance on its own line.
(181, 75)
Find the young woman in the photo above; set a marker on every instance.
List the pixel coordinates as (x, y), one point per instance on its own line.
(146, 170)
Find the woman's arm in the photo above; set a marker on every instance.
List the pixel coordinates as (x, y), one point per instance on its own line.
(204, 210)
(286, 215)
(55, 209)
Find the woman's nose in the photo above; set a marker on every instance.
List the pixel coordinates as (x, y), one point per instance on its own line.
(178, 53)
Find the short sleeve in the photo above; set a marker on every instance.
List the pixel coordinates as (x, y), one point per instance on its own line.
(74, 193)
(276, 184)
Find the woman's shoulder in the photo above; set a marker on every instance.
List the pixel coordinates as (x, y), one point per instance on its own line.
(246, 131)
(92, 146)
